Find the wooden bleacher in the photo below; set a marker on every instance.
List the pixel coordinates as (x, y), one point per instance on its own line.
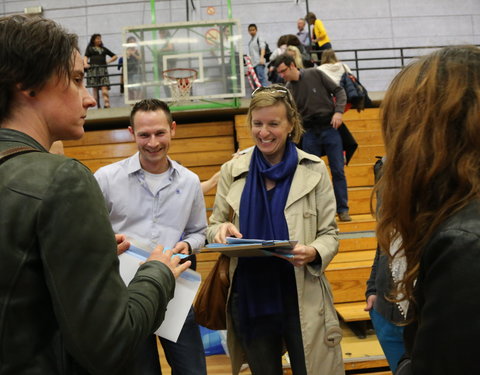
(350, 269)
(204, 147)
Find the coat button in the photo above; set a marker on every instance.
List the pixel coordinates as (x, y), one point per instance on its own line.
(307, 214)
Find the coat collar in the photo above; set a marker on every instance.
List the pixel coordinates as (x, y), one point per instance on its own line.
(12, 135)
(304, 180)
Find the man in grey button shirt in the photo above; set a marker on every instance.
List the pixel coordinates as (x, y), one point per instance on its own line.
(302, 33)
(154, 200)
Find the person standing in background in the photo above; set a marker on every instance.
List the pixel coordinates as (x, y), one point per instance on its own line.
(302, 32)
(256, 51)
(320, 39)
(314, 94)
(95, 60)
(134, 70)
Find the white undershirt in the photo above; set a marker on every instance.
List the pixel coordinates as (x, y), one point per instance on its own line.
(155, 181)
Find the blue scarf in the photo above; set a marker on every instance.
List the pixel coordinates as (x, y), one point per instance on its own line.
(261, 282)
(260, 218)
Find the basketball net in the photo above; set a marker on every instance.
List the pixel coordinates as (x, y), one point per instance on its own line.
(180, 87)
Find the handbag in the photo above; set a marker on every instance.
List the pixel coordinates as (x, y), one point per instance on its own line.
(211, 303)
(356, 93)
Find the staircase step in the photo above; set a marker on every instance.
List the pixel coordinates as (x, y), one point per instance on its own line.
(360, 222)
(359, 200)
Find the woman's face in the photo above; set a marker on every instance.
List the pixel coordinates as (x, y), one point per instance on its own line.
(97, 41)
(270, 129)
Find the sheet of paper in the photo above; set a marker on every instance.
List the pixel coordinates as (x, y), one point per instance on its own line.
(177, 310)
(186, 288)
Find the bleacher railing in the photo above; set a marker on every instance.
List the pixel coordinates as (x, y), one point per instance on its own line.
(114, 77)
(381, 58)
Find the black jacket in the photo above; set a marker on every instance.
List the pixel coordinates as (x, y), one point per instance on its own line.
(63, 307)
(445, 340)
(380, 283)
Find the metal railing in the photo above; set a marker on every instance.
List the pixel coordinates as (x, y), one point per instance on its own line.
(109, 75)
(366, 59)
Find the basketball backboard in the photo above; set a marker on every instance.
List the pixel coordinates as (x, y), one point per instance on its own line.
(213, 49)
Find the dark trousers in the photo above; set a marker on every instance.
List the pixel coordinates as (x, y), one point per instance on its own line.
(327, 140)
(185, 357)
(264, 351)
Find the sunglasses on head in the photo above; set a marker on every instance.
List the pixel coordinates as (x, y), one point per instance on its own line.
(283, 92)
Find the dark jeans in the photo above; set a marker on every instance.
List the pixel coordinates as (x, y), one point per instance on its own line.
(327, 141)
(264, 352)
(185, 357)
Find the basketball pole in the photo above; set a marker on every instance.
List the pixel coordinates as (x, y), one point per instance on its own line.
(156, 74)
(233, 68)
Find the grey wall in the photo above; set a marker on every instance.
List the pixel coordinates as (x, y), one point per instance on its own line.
(349, 23)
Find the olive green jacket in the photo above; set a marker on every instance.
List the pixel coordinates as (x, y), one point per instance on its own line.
(63, 307)
(310, 215)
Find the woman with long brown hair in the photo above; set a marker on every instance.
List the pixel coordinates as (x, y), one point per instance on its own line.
(430, 194)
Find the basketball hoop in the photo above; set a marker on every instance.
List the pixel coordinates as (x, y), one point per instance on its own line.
(180, 81)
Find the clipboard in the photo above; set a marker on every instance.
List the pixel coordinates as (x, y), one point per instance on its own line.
(241, 247)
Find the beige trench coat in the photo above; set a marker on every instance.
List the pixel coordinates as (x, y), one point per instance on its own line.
(310, 214)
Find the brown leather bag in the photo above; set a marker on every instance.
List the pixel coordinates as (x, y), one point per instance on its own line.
(211, 303)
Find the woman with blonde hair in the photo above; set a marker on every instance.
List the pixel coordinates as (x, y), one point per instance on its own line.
(430, 194)
(297, 56)
(278, 192)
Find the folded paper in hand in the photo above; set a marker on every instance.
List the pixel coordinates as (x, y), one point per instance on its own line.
(186, 288)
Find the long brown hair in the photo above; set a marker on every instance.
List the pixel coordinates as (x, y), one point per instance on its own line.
(431, 127)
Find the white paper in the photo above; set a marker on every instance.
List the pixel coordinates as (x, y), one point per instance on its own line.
(177, 310)
(186, 288)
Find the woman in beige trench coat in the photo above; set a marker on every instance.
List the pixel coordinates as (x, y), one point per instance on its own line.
(304, 321)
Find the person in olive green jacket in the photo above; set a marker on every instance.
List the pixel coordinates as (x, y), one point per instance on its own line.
(64, 308)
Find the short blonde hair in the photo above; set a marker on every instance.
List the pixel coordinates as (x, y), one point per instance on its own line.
(272, 95)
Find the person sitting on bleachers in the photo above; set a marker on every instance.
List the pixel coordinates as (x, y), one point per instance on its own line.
(332, 67)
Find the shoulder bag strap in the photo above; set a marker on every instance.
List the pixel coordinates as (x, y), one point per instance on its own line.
(11, 152)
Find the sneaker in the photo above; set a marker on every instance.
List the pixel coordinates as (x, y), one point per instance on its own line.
(344, 216)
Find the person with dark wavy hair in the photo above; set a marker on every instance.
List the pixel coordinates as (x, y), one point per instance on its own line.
(430, 194)
(95, 60)
(64, 308)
